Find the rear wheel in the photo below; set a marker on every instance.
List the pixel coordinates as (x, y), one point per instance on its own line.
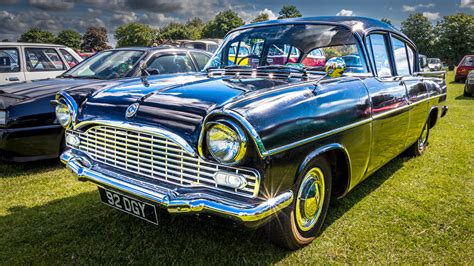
(300, 223)
(419, 147)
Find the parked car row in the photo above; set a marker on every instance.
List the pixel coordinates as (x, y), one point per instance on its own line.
(29, 61)
(265, 136)
(29, 129)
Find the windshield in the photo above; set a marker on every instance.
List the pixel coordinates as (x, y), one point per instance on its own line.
(468, 61)
(297, 45)
(106, 65)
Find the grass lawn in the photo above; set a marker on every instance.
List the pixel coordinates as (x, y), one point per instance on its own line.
(413, 210)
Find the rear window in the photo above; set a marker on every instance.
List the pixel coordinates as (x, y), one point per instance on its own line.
(9, 60)
(69, 58)
(43, 59)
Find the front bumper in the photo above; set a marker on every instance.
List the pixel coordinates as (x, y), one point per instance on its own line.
(250, 214)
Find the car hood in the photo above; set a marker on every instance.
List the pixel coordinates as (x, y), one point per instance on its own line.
(11, 94)
(177, 104)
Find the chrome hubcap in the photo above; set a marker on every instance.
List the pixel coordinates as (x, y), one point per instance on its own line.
(310, 199)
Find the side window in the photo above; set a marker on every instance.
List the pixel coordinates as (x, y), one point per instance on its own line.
(9, 60)
(169, 64)
(380, 57)
(400, 55)
(201, 59)
(69, 58)
(43, 59)
(213, 48)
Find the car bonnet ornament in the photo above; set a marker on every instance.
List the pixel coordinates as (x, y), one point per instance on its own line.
(132, 110)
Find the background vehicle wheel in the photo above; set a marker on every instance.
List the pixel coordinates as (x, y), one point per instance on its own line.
(300, 223)
(419, 147)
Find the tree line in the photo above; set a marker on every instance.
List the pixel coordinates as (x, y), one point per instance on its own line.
(450, 39)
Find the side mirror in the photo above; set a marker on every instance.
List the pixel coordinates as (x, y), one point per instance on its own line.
(335, 67)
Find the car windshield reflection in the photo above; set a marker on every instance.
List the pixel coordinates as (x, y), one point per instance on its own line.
(106, 65)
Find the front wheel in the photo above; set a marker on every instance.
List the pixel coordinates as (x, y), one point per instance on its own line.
(301, 222)
(419, 147)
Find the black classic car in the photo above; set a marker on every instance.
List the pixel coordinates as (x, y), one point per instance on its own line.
(255, 142)
(28, 126)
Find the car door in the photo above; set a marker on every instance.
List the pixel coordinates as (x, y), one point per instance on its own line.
(389, 103)
(10, 65)
(42, 63)
(404, 58)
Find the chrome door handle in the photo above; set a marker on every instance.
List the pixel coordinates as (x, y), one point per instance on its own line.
(13, 79)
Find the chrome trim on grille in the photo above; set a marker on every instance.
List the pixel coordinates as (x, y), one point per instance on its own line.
(158, 157)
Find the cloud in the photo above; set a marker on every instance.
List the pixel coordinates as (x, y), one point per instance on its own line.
(407, 8)
(345, 12)
(8, 2)
(270, 13)
(431, 15)
(161, 6)
(51, 5)
(467, 4)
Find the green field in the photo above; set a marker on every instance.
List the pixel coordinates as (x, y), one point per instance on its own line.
(413, 210)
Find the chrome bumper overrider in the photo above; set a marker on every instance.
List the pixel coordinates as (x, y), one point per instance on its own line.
(180, 203)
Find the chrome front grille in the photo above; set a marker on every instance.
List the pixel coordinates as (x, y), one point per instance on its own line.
(159, 158)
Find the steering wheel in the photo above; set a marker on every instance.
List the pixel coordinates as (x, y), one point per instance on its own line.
(248, 57)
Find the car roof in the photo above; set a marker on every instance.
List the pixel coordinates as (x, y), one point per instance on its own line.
(30, 44)
(361, 25)
(165, 49)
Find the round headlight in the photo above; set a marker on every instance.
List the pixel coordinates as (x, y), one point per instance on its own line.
(226, 142)
(63, 114)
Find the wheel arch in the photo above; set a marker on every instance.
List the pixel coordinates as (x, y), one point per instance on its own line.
(433, 116)
(340, 163)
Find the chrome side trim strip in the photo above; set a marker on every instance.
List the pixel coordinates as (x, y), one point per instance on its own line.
(186, 203)
(146, 129)
(316, 137)
(259, 143)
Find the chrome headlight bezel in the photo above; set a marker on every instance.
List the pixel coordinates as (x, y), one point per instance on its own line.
(233, 150)
(66, 104)
(63, 113)
(3, 117)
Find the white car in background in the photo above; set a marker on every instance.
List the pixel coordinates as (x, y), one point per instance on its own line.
(31, 61)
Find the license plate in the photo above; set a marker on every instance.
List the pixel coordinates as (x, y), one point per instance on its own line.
(129, 205)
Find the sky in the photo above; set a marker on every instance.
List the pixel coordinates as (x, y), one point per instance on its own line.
(17, 16)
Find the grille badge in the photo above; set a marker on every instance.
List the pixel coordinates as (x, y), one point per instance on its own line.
(132, 110)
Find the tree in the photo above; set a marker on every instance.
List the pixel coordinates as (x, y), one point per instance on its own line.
(419, 29)
(221, 24)
(386, 20)
(135, 34)
(455, 37)
(289, 11)
(37, 35)
(195, 27)
(69, 38)
(95, 39)
(175, 31)
(261, 17)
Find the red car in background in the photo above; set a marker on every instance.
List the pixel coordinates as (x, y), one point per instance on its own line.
(464, 67)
